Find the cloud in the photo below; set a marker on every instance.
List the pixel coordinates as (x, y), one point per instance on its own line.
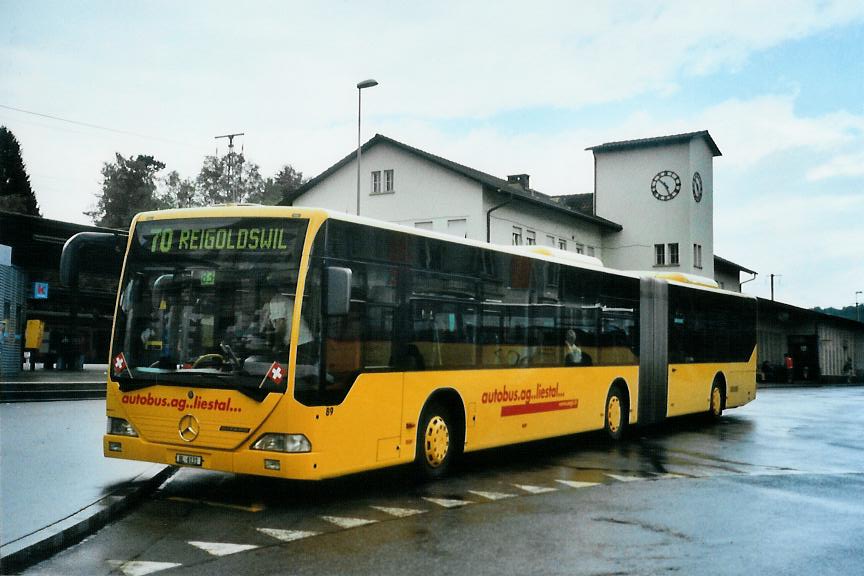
(844, 165)
(753, 130)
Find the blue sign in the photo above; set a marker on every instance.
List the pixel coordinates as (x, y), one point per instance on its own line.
(40, 290)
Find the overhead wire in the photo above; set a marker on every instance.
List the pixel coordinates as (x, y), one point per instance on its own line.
(96, 126)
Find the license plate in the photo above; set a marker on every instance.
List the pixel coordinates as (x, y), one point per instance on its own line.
(189, 459)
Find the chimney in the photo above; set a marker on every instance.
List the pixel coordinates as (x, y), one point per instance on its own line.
(520, 179)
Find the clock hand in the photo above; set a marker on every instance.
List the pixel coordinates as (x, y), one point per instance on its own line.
(664, 185)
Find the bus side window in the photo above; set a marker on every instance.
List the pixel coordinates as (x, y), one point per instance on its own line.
(490, 337)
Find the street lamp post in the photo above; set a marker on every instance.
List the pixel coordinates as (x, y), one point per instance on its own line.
(360, 86)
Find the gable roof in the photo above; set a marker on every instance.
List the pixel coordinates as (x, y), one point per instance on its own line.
(492, 183)
(579, 202)
(658, 141)
(730, 264)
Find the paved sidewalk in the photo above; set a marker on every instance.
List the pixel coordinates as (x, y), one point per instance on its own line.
(55, 486)
(51, 385)
(90, 373)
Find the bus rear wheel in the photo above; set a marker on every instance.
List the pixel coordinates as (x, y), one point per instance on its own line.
(617, 410)
(715, 406)
(437, 442)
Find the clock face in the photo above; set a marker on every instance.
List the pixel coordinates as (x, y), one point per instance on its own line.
(697, 187)
(665, 185)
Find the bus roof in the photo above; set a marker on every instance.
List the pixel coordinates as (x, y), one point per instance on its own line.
(545, 253)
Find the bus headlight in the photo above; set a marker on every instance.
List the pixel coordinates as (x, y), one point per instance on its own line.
(120, 427)
(283, 443)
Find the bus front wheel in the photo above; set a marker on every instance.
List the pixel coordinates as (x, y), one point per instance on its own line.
(617, 411)
(437, 441)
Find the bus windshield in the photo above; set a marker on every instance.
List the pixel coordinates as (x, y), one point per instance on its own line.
(208, 302)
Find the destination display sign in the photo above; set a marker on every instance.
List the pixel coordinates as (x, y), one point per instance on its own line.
(196, 235)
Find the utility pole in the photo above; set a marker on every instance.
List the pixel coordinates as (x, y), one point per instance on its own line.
(857, 314)
(230, 138)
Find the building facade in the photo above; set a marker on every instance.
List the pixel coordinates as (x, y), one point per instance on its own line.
(76, 323)
(652, 209)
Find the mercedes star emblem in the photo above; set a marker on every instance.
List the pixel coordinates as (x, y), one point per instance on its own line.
(189, 428)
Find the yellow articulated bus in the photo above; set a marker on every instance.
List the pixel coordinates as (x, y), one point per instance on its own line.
(303, 343)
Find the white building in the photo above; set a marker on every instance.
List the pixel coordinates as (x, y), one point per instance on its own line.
(651, 209)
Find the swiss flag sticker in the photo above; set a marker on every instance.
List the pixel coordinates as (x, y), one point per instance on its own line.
(120, 364)
(276, 374)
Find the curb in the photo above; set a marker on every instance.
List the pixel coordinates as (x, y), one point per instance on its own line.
(51, 391)
(807, 384)
(46, 542)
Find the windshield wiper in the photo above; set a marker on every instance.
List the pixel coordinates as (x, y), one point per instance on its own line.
(238, 362)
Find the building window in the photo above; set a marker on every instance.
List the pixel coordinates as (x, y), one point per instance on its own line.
(530, 237)
(697, 256)
(517, 236)
(659, 254)
(580, 248)
(388, 180)
(458, 227)
(562, 244)
(550, 240)
(423, 225)
(376, 182)
(673, 254)
(591, 251)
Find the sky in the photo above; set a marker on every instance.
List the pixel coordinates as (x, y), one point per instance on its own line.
(502, 86)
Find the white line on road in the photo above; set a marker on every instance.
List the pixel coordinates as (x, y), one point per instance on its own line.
(492, 495)
(399, 512)
(141, 567)
(222, 548)
(448, 502)
(534, 489)
(621, 478)
(287, 535)
(346, 522)
(575, 484)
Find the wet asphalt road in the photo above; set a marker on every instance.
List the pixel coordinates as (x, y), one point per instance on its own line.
(40, 441)
(774, 488)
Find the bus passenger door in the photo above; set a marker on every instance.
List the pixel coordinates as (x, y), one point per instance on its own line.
(654, 350)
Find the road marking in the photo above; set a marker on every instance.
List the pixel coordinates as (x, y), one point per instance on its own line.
(287, 535)
(574, 484)
(346, 522)
(253, 508)
(448, 502)
(222, 548)
(535, 489)
(624, 478)
(140, 567)
(667, 475)
(492, 495)
(399, 512)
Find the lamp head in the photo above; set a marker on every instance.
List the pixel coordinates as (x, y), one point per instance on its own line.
(367, 84)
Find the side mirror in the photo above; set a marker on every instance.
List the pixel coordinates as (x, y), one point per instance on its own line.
(97, 245)
(338, 291)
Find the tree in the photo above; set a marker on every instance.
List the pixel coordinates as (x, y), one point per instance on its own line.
(128, 187)
(275, 189)
(176, 192)
(229, 178)
(16, 195)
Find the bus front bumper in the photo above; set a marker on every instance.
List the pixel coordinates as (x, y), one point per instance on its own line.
(296, 466)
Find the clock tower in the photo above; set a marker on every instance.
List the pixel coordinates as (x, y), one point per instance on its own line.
(661, 191)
